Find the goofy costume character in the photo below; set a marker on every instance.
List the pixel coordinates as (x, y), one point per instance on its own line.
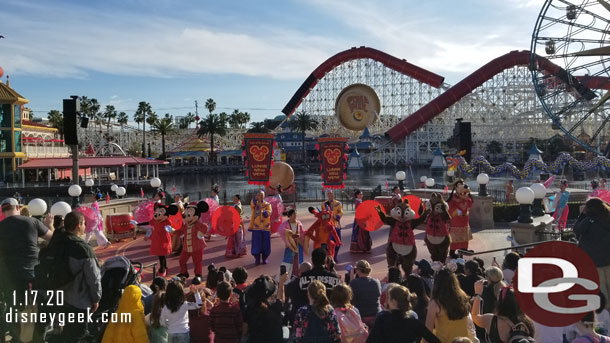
(260, 225)
(193, 232)
(336, 209)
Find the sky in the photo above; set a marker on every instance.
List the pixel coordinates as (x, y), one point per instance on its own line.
(246, 55)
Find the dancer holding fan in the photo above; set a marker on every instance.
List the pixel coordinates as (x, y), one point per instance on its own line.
(236, 244)
(361, 239)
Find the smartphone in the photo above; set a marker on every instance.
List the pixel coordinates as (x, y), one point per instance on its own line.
(282, 269)
(347, 277)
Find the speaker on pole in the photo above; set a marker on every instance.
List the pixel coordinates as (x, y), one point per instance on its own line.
(71, 107)
(84, 122)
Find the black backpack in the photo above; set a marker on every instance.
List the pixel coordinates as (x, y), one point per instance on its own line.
(53, 270)
(520, 334)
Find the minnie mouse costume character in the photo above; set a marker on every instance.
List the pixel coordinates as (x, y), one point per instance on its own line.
(193, 232)
(160, 235)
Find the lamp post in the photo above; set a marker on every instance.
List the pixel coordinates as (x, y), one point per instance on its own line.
(429, 182)
(37, 207)
(120, 192)
(483, 180)
(525, 197)
(422, 179)
(89, 183)
(539, 194)
(401, 176)
(155, 182)
(75, 192)
(60, 208)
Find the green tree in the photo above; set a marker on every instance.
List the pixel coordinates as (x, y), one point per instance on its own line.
(258, 127)
(183, 123)
(494, 147)
(140, 117)
(90, 108)
(189, 118)
(164, 126)
(109, 114)
(122, 119)
(302, 122)
(212, 125)
(56, 119)
(210, 104)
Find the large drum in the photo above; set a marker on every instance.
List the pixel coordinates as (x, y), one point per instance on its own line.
(119, 226)
(386, 202)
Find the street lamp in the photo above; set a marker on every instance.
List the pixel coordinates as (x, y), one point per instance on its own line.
(429, 182)
(155, 182)
(539, 194)
(401, 176)
(37, 207)
(483, 180)
(525, 197)
(422, 179)
(75, 192)
(114, 187)
(60, 208)
(121, 192)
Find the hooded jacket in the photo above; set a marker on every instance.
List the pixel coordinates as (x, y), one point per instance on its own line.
(130, 331)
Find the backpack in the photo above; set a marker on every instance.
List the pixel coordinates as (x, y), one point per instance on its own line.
(53, 270)
(518, 335)
(353, 329)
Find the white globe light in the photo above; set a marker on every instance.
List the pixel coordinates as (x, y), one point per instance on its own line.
(450, 172)
(121, 191)
(37, 207)
(89, 183)
(401, 175)
(114, 187)
(539, 190)
(525, 195)
(429, 182)
(423, 178)
(75, 190)
(60, 208)
(155, 182)
(483, 179)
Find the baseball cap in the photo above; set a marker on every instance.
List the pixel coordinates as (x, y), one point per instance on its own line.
(8, 202)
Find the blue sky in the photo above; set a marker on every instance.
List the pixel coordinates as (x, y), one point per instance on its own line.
(250, 55)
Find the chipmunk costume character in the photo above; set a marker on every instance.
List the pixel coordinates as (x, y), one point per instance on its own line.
(460, 203)
(437, 229)
(193, 232)
(401, 242)
(322, 232)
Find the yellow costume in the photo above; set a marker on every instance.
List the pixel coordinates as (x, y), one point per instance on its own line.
(260, 225)
(134, 331)
(261, 216)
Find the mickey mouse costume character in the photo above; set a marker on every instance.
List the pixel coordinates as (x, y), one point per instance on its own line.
(460, 202)
(160, 235)
(193, 232)
(437, 229)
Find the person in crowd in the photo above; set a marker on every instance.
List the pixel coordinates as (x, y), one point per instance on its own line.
(240, 276)
(560, 205)
(178, 202)
(214, 193)
(394, 276)
(19, 251)
(159, 196)
(236, 244)
(225, 319)
(461, 340)
(85, 290)
(293, 235)
(264, 310)
(134, 330)
(158, 285)
(603, 315)
(449, 309)
(156, 332)
(293, 293)
(509, 265)
(472, 274)
(353, 330)
(424, 269)
(491, 290)
(416, 286)
(260, 225)
(586, 327)
(507, 315)
(58, 222)
(317, 321)
(100, 238)
(595, 189)
(174, 315)
(361, 239)
(396, 195)
(336, 209)
(593, 232)
(396, 325)
(509, 190)
(481, 264)
(199, 319)
(211, 281)
(24, 212)
(366, 290)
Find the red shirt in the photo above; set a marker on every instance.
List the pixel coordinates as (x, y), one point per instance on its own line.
(226, 322)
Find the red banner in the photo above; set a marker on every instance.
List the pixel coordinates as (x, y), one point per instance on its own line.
(258, 149)
(333, 161)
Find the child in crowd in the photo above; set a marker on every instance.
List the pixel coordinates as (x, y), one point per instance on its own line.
(157, 285)
(133, 331)
(156, 332)
(174, 315)
(240, 275)
(199, 319)
(225, 318)
(586, 327)
(317, 321)
(353, 330)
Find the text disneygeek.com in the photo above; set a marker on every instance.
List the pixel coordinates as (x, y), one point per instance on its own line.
(60, 318)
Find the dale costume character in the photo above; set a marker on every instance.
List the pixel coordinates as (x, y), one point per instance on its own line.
(322, 232)
(401, 247)
(193, 232)
(460, 202)
(260, 225)
(160, 235)
(236, 244)
(437, 229)
(336, 209)
(293, 235)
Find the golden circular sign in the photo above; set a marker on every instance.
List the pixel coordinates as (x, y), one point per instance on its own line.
(281, 174)
(357, 107)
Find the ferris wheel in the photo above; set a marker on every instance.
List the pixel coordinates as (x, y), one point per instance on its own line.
(570, 64)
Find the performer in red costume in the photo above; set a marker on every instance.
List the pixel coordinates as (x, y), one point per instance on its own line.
(460, 203)
(193, 232)
(322, 231)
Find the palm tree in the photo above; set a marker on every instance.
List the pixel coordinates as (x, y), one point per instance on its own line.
(303, 122)
(90, 108)
(151, 119)
(110, 113)
(258, 127)
(183, 123)
(224, 117)
(139, 117)
(212, 125)
(244, 119)
(122, 119)
(56, 119)
(210, 104)
(235, 119)
(164, 126)
(189, 118)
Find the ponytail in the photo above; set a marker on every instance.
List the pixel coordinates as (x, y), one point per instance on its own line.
(317, 292)
(404, 299)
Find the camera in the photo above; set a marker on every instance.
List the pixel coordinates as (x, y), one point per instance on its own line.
(283, 269)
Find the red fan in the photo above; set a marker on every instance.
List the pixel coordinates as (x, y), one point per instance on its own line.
(176, 221)
(144, 212)
(367, 216)
(92, 220)
(206, 218)
(225, 221)
(414, 202)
